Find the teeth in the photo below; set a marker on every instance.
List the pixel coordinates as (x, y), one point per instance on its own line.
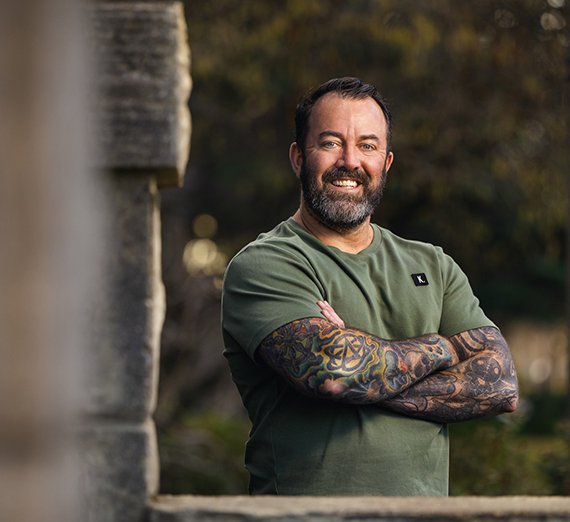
(345, 183)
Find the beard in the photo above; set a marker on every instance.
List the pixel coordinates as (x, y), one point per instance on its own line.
(337, 210)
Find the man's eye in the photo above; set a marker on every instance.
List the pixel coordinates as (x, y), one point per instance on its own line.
(329, 144)
(367, 146)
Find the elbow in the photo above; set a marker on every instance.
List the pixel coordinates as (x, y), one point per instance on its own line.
(512, 404)
(511, 400)
(510, 388)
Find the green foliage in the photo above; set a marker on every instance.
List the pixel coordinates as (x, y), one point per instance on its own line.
(203, 455)
(491, 457)
(478, 93)
(524, 453)
(545, 415)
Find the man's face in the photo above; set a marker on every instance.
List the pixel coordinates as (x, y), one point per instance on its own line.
(343, 169)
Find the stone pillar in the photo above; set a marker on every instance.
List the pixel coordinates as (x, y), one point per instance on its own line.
(143, 86)
(48, 246)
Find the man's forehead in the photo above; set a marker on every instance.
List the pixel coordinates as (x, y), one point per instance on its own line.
(334, 108)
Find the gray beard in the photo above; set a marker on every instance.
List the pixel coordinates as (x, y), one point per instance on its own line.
(338, 211)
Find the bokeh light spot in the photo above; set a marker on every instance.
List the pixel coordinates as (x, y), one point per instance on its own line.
(201, 256)
(505, 18)
(552, 21)
(556, 3)
(205, 226)
(540, 370)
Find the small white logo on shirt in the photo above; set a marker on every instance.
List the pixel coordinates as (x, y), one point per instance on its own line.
(420, 279)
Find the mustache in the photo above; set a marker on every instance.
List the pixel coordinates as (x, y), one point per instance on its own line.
(345, 173)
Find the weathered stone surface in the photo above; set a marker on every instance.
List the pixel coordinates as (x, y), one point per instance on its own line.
(362, 509)
(144, 84)
(120, 470)
(129, 310)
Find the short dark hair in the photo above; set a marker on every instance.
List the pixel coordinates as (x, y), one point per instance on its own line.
(351, 88)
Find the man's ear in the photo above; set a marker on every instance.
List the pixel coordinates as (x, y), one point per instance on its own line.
(296, 158)
(389, 161)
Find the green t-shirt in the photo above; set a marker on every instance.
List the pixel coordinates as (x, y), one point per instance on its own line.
(301, 445)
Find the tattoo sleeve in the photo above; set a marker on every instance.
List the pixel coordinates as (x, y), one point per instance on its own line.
(482, 385)
(321, 359)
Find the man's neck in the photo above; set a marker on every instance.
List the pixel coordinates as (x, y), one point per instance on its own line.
(350, 241)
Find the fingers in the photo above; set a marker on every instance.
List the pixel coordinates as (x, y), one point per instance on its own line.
(329, 314)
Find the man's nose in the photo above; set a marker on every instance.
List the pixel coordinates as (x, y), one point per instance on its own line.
(348, 159)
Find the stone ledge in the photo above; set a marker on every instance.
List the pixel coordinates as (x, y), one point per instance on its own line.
(187, 508)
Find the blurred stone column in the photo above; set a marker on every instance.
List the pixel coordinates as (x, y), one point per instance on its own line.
(143, 87)
(48, 248)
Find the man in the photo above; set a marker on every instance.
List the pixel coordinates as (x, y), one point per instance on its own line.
(359, 409)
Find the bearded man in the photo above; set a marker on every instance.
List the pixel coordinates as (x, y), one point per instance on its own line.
(353, 348)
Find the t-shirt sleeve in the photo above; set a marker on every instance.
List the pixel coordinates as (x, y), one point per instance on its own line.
(265, 287)
(460, 310)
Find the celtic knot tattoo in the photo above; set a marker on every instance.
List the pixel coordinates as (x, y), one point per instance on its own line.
(323, 360)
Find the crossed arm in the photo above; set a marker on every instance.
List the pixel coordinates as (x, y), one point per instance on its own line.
(468, 376)
(483, 384)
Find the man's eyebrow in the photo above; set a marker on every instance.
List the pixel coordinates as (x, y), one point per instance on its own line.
(370, 137)
(335, 134)
(326, 133)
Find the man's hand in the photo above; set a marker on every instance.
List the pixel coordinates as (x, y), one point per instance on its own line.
(322, 359)
(329, 313)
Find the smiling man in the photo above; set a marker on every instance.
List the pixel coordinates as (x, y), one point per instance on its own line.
(353, 348)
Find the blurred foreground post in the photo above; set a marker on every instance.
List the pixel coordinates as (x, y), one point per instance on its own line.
(48, 245)
(81, 297)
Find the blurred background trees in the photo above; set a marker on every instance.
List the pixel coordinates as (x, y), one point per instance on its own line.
(479, 93)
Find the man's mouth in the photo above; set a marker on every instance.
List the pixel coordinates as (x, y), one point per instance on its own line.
(345, 183)
(345, 179)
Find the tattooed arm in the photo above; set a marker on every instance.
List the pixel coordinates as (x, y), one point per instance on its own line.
(322, 359)
(482, 385)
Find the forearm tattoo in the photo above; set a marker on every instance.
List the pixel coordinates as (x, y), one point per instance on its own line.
(482, 385)
(321, 359)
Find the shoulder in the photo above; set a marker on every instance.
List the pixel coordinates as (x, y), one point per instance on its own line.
(286, 244)
(288, 238)
(397, 244)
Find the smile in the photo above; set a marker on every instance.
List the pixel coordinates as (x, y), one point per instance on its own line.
(345, 183)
